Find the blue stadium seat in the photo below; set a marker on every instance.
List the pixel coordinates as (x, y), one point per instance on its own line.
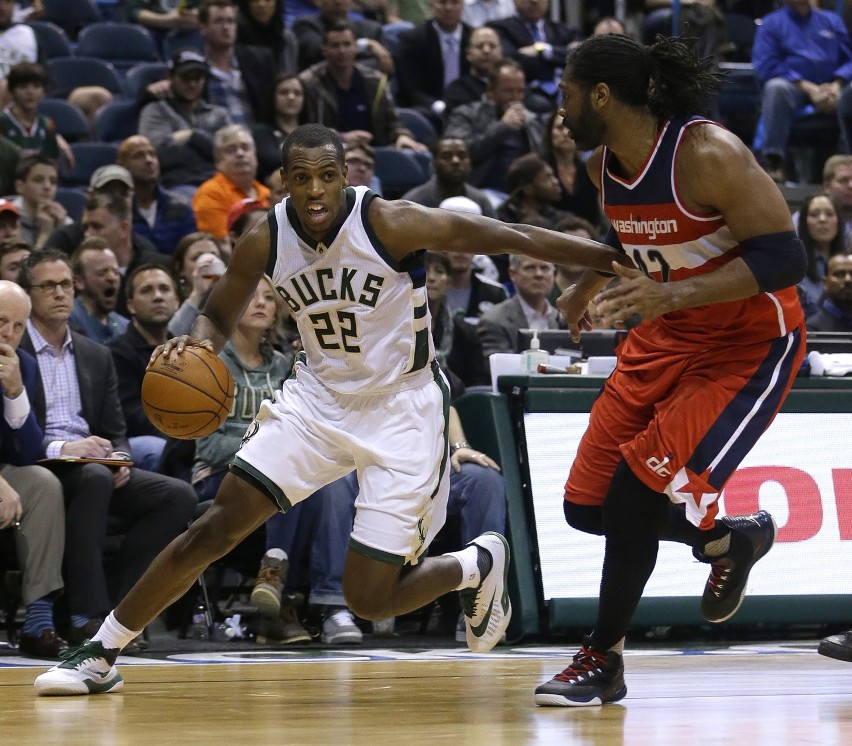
(73, 200)
(68, 73)
(71, 15)
(70, 121)
(138, 77)
(420, 126)
(399, 171)
(391, 32)
(122, 44)
(87, 157)
(52, 40)
(116, 121)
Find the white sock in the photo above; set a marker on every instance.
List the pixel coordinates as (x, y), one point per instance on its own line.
(468, 559)
(113, 635)
(618, 647)
(277, 554)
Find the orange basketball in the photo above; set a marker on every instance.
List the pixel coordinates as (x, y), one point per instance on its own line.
(188, 396)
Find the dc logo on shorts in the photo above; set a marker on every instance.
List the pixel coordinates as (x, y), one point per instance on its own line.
(250, 432)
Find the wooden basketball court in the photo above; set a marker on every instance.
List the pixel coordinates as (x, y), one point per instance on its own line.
(772, 695)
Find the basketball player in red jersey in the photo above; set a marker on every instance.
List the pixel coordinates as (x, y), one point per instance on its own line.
(716, 342)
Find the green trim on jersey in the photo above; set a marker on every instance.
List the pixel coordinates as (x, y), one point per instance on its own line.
(273, 490)
(378, 554)
(328, 238)
(272, 259)
(445, 392)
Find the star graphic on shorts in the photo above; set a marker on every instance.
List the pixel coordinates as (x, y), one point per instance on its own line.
(696, 485)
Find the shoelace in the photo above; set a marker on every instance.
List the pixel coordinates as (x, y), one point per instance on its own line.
(588, 659)
(720, 571)
(269, 574)
(76, 657)
(343, 618)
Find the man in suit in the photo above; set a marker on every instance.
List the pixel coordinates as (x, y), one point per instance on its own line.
(30, 496)
(529, 308)
(539, 44)
(482, 52)
(240, 78)
(429, 57)
(83, 419)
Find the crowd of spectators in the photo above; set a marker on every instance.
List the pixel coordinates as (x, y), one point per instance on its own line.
(467, 88)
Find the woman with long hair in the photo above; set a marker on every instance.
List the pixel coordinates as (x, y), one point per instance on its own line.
(819, 229)
(196, 265)
(261, 23)
(258, 370)
(288, 112)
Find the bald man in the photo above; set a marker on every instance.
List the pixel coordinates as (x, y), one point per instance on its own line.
(30, 495)
(158, 215)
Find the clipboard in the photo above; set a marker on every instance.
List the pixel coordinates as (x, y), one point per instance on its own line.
(115, 462)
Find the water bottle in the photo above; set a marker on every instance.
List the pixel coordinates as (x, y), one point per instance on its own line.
(199, 629)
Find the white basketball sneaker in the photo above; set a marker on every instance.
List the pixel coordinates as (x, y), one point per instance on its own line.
(84, 670)
(487, 608)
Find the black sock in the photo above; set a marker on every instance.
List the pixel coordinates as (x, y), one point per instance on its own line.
(676, 527)
(632, 514)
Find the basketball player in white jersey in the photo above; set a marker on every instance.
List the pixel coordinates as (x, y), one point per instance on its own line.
(366, 395)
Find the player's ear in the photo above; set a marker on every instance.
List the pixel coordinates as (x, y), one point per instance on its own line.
(345, 172)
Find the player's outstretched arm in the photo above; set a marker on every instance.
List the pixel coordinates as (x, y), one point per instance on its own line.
(404, 227)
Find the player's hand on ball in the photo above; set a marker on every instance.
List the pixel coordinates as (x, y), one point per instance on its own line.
(176, 345)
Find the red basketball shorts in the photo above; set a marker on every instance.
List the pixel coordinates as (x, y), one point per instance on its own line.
(683, 422)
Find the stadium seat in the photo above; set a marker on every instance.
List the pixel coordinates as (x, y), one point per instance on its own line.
(122, 44)
(174, 41)
(73, 200)
(68, 73)
(391, 32)
(116, 121)
(70, 122)
(398, 170)
(139, 76)
(740, 30)
(52, 40)
(71, 15)
(739, 99)
(420, 126)
(87, 157)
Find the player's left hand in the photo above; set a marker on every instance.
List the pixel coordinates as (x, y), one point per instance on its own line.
(635, 298)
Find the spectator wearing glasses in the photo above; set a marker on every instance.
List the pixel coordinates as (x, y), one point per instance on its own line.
(361, 161)
(235, 180)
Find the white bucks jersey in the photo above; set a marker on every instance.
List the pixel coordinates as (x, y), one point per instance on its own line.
(362, 315)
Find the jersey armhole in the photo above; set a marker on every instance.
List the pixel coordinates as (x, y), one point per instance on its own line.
(272, 259)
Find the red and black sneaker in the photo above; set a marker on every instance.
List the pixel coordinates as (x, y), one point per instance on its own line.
(752, 536)
(594, 678)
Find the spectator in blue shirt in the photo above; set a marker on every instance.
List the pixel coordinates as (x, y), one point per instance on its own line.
(803, 57)
(158, 215)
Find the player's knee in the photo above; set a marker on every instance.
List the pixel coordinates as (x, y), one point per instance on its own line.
(585, 518)
(366, 606)
(632, 511)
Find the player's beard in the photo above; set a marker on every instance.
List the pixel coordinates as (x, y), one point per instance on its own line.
(589, 128)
